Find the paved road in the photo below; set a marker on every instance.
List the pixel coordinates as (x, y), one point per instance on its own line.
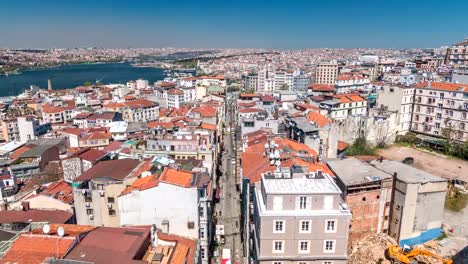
(229, 207)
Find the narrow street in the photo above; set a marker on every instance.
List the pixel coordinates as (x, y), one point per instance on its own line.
(229, 207)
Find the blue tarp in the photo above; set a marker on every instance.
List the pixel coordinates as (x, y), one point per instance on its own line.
(422, 238)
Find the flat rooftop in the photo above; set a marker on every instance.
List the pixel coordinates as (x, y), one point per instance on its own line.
(352, 171)
(405, 172)
(303, 185)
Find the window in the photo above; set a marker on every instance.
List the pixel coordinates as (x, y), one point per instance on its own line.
(327, 262)
(303, 246)
(111, 212)
(328, 202)
(302, 202)
(202, 233)
(329, 246)
(330, 226)
(89, 211)
(278, 226)
(110, 200)
(305, 226)
(88, 199)
(100, 186)
(278, 246)
(277, 262)
(202, 253)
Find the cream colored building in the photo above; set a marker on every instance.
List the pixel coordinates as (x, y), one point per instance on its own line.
(326, 72)
(441, 109)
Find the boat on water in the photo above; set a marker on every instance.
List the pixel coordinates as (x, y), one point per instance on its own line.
(11, 73)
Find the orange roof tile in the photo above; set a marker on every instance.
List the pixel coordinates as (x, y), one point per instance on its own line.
(208, 126)
(176, 177)
(443, 86)
(142, 184)
(342, 145)
(318, 118)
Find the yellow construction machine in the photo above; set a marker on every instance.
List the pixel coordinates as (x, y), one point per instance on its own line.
(408, 255)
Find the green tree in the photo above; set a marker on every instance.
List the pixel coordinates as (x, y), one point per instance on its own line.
(87, 83)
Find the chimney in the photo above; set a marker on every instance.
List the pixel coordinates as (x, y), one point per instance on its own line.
(25, 206)
(49, 85)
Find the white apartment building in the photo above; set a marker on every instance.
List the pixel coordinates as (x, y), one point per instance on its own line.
(398, 99)
(343, 106)
(441, 109)
(175, 98)
(347, 83)
(173, 202)
(326, 72)
(142, 84)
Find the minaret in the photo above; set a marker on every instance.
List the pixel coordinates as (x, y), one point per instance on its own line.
(49, 85)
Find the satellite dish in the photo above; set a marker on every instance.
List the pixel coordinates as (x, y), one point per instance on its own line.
(61, 231)
(46, 229)
(277, 155)
(159, 167)
(278, 163)
(276, 152)
(272, 156)
(266, 145)
(272, 162)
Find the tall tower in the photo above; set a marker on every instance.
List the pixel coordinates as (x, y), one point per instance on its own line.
(49, 85)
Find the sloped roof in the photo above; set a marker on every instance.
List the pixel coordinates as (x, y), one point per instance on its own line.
(51, 216)
(114, 169)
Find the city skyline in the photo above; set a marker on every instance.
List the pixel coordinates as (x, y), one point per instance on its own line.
(231, 24)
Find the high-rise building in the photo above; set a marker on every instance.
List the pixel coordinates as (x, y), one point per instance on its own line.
(326, 72)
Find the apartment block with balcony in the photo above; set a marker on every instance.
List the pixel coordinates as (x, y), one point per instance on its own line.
(458, 53)
(441, 109)
(10, 130)
(299, 217)
(399, 99)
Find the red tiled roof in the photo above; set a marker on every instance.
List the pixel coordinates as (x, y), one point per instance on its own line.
(142, 184)
(33, 249)
(59, 190)
(114, 169)
(208, 126)
(96, 136)
(205, 111)
(21, 150)
(140, 103)
(318, 118)
(322, 87)
(184, 251)
(51, 216)
(174, 91)
(249, 95)
(176, 177)
(113, 146)
(92, 155)
(443, 86)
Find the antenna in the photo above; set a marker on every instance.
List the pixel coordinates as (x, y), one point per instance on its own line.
(61, 231)
(46, 229)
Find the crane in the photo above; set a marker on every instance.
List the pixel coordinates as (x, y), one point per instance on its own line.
(400, 255)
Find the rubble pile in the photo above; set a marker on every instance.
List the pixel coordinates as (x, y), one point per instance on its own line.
(371, 250)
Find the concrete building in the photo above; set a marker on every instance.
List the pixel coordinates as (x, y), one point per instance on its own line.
(326, 72)
(458, 53)
(177, 201)
(301, 83)
(368, 192)
(346, 83)
(418, 203)
(441, 109)
(399, 99)
(96, 190)
(175, 98)
(30, 128)
(299, 217)
(10, 130)
(342, 106)
(250, 82)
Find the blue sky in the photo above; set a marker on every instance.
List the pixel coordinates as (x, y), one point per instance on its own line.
(224, 23)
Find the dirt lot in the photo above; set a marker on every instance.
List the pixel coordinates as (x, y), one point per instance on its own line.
(435, 164)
